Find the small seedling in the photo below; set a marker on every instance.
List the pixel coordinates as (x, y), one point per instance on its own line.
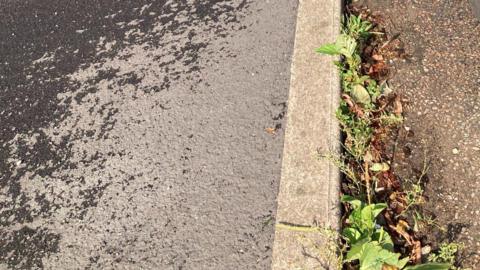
(414, 196)
(447, 254)
(357, 28)
(421, 220)
(390, 119)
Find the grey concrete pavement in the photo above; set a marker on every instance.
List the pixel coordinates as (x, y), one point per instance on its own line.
(310, 186)
(133, 133)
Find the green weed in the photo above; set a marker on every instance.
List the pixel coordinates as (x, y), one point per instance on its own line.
(390, 119)
(357, 28)
(447, 254)
(341, 164)
(368, 246)
(421, 221)
(358, 131)
(414, 196)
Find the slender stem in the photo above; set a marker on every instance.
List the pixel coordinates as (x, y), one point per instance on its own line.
(367, 183)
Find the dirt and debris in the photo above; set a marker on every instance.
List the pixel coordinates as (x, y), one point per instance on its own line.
(436, 70)
(435, 97)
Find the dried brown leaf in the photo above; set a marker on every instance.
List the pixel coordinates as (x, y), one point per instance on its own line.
(271, 131)
(377, 57)
(416, 255)
(397, 106)
(353, 107)
(402, 229)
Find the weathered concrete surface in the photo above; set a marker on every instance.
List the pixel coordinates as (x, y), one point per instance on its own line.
(133, 132)
(309, 186)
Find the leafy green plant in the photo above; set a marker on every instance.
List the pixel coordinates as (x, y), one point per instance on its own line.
(446, 254)
(414, 195)
(368, 246)
(369, 243)
(361, 89)
(390, 119)
(357, 28)
(357, 130)
(347, 47)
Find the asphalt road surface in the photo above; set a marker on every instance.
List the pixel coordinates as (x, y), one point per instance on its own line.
(141, 134)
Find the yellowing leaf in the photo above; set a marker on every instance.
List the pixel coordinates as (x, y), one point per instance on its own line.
(360, 95)
(380, 167)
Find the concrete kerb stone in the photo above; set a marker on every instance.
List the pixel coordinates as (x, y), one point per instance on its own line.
(309, 186)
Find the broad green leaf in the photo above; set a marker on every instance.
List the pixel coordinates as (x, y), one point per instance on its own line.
(351, 200)
(329, 49)
(368, 220)
(401, 263)
(374, 257)
(370, 212)
(385, 240)
(347, 44)
(360, 95)
(429, 266)
(356, 250)
(352, 234)
(370, 258)
(356, 219)
(378, 208)
(354, 253)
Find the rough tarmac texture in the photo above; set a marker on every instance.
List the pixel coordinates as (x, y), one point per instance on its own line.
(441, 81)
(133, 132)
